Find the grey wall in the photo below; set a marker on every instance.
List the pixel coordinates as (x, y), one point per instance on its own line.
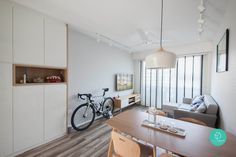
(92, 66)
(223, 86)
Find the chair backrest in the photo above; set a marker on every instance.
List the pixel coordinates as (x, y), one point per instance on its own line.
(192, 120)
(124, 146)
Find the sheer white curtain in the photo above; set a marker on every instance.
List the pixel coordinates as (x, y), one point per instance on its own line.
(160, 86)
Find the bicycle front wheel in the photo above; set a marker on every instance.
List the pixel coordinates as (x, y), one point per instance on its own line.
(82, 117)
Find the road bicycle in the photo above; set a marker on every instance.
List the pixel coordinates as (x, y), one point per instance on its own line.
(84, 115)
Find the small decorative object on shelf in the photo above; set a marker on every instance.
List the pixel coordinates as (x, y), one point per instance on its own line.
(24, 78)
(38, 80)
(53, 79)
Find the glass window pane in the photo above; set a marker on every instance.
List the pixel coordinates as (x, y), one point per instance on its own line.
(166, 83)
(173, 86)
(143, 84)
(156, 89)
(180, 79)
(159, 87)
(197, 76)
(153, 88)
(148, 79)
(188, 77)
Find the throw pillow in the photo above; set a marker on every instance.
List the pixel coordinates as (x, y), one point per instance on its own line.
(197, 100)
(202, 108)
(193, 107)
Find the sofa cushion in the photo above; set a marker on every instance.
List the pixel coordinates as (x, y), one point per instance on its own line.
(211, 105)
(171, 106)
(202, 108)
(186, 107)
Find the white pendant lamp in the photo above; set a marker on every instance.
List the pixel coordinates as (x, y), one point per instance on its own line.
(161, 58)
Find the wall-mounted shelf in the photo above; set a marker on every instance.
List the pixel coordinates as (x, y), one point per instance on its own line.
(38, 75)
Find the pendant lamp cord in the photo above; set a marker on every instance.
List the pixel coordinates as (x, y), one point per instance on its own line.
(161, 23)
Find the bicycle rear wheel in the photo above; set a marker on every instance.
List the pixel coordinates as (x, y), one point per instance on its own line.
(82, 117)
(108, 107)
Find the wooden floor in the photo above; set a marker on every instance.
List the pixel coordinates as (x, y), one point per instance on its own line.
(92, 142)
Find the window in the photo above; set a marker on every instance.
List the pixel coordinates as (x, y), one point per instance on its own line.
(160, 86)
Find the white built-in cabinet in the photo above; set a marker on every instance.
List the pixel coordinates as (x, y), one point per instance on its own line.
(39, 114)
(55, 43)
(28, 36)
(28, 113)
(5, 31)
(6, 138)
(55, 111)
(38, 39)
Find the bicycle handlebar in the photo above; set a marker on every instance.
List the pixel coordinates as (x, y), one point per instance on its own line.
(81, 96)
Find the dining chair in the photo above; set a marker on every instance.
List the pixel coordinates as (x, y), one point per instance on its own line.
(122, 146)
(192, 120)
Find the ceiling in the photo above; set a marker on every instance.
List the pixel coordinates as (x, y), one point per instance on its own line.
(121, 20)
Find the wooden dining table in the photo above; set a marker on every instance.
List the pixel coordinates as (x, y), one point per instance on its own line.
(196, 143)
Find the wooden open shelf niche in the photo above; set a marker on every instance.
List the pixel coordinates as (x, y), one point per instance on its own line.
(33, 72)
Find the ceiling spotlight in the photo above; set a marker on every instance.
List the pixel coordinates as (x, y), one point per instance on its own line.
(201, 20)
(201, 7)
(200, 29)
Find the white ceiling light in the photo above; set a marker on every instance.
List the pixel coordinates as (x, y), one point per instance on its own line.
(161, 58)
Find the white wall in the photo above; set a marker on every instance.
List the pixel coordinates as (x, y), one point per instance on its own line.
(223, 86)
(92, 66)
(187, 49)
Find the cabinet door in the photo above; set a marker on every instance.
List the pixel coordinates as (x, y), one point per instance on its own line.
(28, 116)
(5, 31)
(55, 111)
(28, 36)
(55, 43)
(6, 144)
(124, 103)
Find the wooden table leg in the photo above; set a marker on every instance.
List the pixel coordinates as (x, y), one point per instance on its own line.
(154, 151)
(110, 149)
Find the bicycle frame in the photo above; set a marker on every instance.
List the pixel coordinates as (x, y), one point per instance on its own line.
(98, 106)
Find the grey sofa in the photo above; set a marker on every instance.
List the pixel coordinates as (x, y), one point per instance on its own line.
(183, 110)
